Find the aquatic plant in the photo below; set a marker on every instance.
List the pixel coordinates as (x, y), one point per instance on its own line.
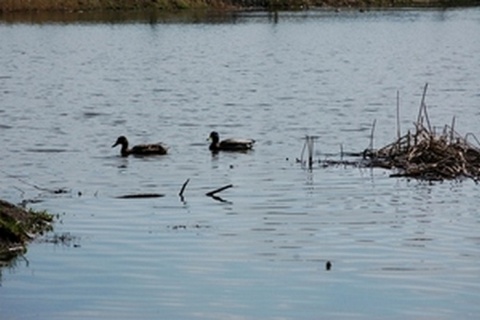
(426, 154)
(18, 226)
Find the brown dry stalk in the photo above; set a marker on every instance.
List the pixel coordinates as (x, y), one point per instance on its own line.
(427, 155)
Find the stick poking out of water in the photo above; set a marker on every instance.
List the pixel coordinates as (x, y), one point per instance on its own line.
(372, 134)
(183, 188)
(398, 116)
(309, 144)
(212, 193)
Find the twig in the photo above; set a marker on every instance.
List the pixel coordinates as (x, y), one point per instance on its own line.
(452, 129)
(371, 134)
(427, 119)
(183, 187)
(212, 193)
(469, 134)
(310, 153)
(303, 151)
(398, 115)
(422, 103)
(310, 140)
(423, 109)
(309, 143)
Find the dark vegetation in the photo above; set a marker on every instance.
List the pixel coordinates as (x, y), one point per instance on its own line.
(429, 153)
(18, 227)
(425, 153)
(173, 5)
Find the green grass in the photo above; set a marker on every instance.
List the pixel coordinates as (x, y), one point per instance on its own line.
(19, 226)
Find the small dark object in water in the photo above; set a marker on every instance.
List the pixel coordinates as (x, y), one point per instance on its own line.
(229, 144)
(141, 149)
(140, 196)
(328, 266)
(60, 191)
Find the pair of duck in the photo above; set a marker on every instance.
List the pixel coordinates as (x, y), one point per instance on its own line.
(159, 149)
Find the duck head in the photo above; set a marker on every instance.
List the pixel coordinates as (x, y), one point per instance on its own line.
(214, 137)
(122, 140)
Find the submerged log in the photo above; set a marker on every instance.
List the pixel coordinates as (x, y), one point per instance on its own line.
(141, 196)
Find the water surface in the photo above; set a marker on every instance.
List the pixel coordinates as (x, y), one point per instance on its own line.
(399, 249)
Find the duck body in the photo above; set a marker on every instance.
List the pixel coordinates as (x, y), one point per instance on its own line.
(141, 149)
(231, 144)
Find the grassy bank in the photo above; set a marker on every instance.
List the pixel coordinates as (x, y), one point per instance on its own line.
(19, 226)
(173, 5)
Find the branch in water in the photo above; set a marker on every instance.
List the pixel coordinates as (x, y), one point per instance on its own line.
(183, 187)
(212, 193)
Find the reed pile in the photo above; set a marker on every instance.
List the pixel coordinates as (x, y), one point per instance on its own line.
(425, 154)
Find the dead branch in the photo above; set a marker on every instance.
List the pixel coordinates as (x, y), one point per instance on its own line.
(183, 188)
(431, 156)
(212, 193)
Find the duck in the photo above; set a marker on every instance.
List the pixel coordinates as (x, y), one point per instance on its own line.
(231, 144)
(141, 149)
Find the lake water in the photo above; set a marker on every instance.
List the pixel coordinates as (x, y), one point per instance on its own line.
(399, 248)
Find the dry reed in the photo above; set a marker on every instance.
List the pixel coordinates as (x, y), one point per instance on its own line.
(427, 155)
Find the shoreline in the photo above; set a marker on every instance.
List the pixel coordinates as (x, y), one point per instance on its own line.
(171, 6)
(18, 227)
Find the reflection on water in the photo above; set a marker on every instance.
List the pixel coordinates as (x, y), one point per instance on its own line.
(400, 248)
(152, 17)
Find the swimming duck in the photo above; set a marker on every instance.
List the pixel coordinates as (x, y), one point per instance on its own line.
(141, 149)
(229, 144)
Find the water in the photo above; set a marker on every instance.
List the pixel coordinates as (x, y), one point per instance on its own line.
(399, 248)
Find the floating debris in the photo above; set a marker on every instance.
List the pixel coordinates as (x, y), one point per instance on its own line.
(185, 227)
(141, 196)
(180, 194)
(65, 239)
(424, 154)
(328, 266)
(212, 193)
